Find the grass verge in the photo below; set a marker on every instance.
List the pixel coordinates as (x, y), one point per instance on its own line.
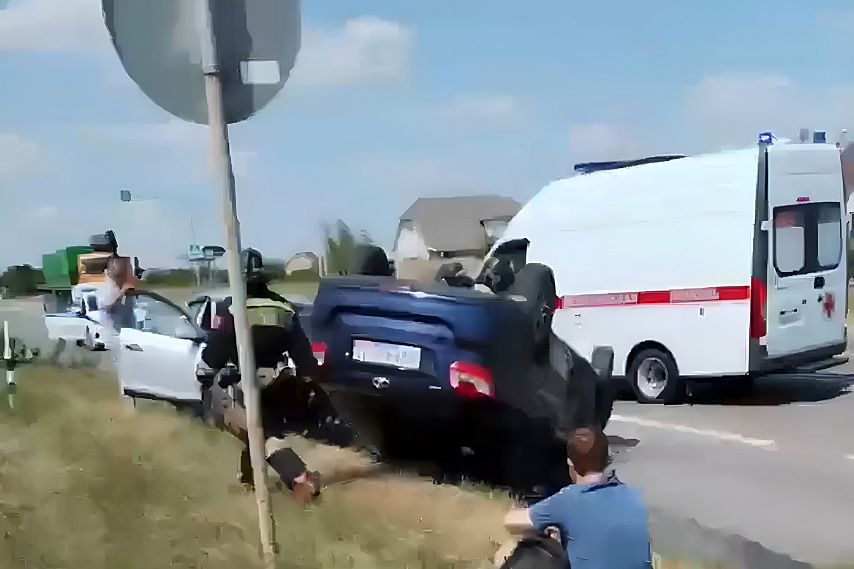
(87, 483)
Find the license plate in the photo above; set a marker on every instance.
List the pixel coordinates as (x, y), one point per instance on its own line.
(406, 357)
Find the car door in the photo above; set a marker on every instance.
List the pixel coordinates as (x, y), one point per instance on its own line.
(158, 356)
(807, 285)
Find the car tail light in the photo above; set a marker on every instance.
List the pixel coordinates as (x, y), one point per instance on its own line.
(558, 303)
(758, 309)
(471, 381)
(319, 350)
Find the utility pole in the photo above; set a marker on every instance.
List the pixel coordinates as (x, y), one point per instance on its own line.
(221, 155)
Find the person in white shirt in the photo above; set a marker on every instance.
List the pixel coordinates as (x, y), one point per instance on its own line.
(114, 303)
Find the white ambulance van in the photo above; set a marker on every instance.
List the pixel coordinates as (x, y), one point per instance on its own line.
(726, 265)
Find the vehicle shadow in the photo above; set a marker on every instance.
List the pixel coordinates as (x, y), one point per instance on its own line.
(780, 389)
(774, 390)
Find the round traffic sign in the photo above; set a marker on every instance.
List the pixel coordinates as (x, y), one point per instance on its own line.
(159, 43)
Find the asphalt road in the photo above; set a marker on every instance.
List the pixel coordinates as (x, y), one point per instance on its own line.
(775, 467)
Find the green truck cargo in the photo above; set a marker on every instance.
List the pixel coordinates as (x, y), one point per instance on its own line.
(65, 269)
(61, 273)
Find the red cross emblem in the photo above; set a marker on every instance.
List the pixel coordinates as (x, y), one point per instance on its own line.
(829, 305)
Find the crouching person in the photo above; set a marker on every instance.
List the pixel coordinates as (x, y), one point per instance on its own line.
(285, 401)
(304, 484)
(602, 523)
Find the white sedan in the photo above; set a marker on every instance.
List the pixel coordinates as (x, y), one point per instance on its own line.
(82, 326)
(161, 357)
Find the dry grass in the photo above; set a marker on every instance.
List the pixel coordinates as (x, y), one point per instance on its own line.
(86, 483)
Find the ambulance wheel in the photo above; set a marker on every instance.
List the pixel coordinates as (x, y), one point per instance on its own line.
(654, 377)
(536, 283)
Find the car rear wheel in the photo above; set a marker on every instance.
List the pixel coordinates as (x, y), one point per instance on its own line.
(654, 377)
(602, 362)
(536, 284)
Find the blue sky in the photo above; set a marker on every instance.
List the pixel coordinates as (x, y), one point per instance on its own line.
(392, 100)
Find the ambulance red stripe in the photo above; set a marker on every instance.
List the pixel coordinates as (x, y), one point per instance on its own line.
(674, 296)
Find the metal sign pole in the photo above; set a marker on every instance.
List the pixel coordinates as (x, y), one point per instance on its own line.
(222, 163)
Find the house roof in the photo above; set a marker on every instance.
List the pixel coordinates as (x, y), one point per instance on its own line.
(453, 223)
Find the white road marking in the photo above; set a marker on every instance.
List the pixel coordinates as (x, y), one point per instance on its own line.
(720, 435)
(849, 456)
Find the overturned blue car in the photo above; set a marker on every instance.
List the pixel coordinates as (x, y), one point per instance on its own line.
(457, 364)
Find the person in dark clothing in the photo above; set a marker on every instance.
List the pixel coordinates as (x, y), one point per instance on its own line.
(287, 403)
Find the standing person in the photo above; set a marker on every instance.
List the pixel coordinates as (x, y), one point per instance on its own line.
(603, 523)
(114, 302)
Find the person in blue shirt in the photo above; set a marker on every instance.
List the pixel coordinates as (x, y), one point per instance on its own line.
(603, 523)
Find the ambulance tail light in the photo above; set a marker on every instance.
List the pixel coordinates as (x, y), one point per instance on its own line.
(471, 381)
(758, 309)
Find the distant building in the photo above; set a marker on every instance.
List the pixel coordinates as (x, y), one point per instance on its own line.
(305, 261)
(434, 231)
(848, 181)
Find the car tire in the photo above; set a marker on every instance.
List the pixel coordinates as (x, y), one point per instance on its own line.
(536, 283)
(602, 362)
(370, 260)
(654, 377)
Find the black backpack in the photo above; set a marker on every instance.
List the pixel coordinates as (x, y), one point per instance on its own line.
(538, 552)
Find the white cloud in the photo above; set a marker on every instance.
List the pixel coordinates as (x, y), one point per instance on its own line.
(730, 109)
(590, 142)
(480, 106)
(53, 25)
(172, 133)
(20, 158)
(721, 111)
(181, 139)
(365, 50)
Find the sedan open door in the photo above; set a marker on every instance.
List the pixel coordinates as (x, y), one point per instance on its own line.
(158, 357)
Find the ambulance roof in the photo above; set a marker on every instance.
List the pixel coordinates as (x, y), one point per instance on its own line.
(705, 184)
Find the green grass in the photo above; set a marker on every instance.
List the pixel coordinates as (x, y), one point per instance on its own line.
(86, 483)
